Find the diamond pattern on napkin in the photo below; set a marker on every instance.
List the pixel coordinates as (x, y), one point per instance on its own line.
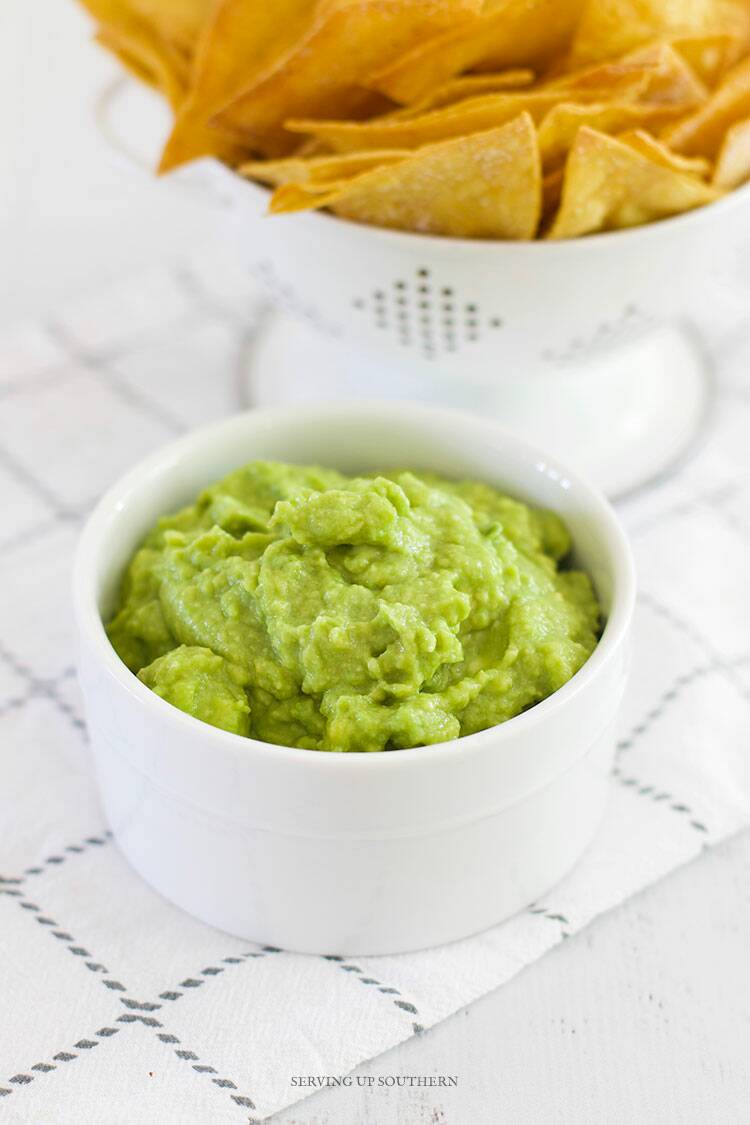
(124, 1008)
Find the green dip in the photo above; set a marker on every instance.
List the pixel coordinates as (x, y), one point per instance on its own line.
(306, 608)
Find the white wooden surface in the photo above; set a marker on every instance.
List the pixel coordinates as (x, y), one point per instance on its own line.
(645, 1017)
(642, 1018)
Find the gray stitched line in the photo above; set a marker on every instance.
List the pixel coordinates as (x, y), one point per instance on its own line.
(50, 377)
(78, 848)
(95, 364)
(372, 982)
(126, 1018)
(249, 328)
(659, 796)
(15, 703)
(136, 1018)
(243, 395)
(681, 682)
(186, 1055)
(671, 694)
(113, 352)
(688, 629)
(84, 1044)
(39, 530)
(45, 689)
(716, 495)
(194, 289)
(73, 947)
(214, 970)
(551, 916)
(147, 406)
(23, 477)
(77, 950)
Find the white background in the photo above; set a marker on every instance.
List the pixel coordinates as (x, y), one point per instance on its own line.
(71, 216)
(643, 1017)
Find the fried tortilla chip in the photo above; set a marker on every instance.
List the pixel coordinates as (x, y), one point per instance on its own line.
(655, 150)
(560, 126)
(620, 77)
(609, 185)
(702, 132)
(473, 115)
(314, 170)
(472, 118)
(242, 39)
(142, 44)
(171, 26)
(148, 60)
(710, 56)
(509, 33)
(733, 162)
(609, 28)
(673, 80)
(177, 21)
(468, 86)
(135, 62)
(487, 185)
(552, 183)
(323, 74)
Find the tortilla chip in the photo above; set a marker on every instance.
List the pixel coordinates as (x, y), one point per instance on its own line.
(487, 185)
(620, 77)
(710, 55)
(611, 27)
(178, 22)
(655, 150)
(323, 74)
(733, 163)
(141, 45)
(148, 60)
(702, 132)
(608, 185)
(673, 81)
(133, 61)
(552, 184)
(468, 86)
(509, 33)
(315, 170)
(241, 40)
(559, 129)
(474, 115)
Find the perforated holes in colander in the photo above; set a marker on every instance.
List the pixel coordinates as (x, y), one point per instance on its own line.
(425, 314)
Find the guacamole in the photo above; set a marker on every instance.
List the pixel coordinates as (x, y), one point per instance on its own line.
(306, 608)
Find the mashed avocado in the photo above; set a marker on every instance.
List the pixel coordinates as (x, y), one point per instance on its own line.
(306, 608)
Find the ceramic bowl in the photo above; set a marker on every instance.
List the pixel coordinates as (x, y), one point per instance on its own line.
(351, 853)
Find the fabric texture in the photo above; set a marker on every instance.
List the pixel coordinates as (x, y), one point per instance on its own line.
(119, 1007)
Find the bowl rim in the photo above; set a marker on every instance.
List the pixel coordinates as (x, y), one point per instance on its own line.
(92, 542)
(599, 240)
(603, 239)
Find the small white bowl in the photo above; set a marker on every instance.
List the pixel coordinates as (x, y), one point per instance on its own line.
(351, 853)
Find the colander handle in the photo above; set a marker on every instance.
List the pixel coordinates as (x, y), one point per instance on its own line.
(131, 158)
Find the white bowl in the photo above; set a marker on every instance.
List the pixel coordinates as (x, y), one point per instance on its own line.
(351, 853)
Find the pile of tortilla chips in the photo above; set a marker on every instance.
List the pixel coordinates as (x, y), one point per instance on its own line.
(504, 119)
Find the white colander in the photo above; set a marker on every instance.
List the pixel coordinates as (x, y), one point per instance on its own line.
(589, 346)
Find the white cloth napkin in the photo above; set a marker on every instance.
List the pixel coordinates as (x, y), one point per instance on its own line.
(117, 1006)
